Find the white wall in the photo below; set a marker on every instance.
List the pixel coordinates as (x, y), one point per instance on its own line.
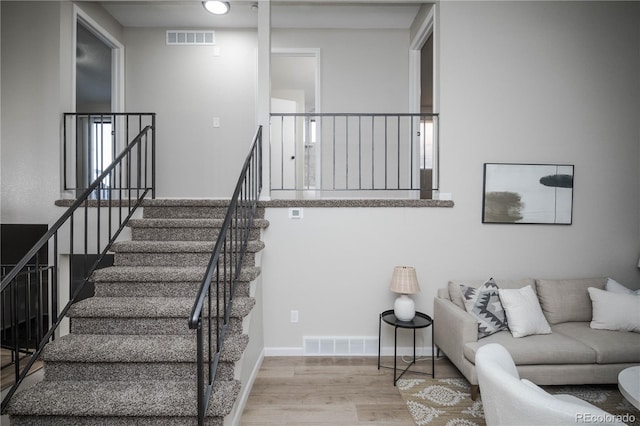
(30, 45)
(538, 82)
(187, 86)
(361, 70)
(37, 55)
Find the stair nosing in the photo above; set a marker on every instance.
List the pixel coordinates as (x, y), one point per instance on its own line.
(147, 307)
(188, 247)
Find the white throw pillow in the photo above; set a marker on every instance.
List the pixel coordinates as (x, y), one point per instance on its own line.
(614, 311)
(615, 287)
(524, 314)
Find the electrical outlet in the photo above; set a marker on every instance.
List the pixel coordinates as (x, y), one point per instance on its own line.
(295, 213)
(294, 316)
(216, 121)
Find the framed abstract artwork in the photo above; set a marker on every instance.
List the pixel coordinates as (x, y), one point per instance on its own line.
(528, 193)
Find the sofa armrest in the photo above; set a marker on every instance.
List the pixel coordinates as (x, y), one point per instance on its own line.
(453, 328)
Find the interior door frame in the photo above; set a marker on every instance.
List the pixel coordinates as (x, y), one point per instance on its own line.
(306, 53)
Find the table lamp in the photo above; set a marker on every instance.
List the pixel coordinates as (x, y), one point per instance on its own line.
(404, 281)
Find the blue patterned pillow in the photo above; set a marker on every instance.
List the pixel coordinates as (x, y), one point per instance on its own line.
(484, 304)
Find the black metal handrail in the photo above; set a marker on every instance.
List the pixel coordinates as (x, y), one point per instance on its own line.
(341, 152)
(131, 176)
(214, 300)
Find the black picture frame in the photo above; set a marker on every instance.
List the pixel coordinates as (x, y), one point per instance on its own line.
(520, 193)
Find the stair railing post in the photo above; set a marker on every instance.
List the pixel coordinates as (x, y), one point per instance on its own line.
(200, 371)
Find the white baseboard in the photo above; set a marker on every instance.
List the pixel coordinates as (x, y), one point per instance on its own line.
(385, 351)
(283, 351)
(241, 401)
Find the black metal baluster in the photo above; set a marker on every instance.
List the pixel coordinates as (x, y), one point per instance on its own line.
(398, 186)
(346, 151)
(373, 154)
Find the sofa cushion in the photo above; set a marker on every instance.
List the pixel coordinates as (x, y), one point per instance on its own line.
(455, 294)
(609, 346)
(537, 349)
(567, 300)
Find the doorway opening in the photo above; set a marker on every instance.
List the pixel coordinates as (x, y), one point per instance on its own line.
(295, 89)
(98, 75)
(424, 100)
(93, 71)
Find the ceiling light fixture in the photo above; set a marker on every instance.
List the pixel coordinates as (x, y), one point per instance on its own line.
(217, 7)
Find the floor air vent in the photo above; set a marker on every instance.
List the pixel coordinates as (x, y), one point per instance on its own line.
(191, 38)
(335, 346)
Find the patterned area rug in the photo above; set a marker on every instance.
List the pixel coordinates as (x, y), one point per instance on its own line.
(447, 402)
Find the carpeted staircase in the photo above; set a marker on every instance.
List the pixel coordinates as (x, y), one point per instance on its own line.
(130, 357)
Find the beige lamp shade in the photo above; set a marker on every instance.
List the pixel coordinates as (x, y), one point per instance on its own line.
(404, 280)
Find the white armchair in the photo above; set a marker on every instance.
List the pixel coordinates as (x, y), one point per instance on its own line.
(511, 401)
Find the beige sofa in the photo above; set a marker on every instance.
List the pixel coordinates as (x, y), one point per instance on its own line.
(573, 353)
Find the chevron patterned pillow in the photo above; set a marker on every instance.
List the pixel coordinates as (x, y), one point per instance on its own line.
(484, 304)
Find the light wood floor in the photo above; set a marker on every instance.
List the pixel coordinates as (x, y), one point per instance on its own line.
(330, 391)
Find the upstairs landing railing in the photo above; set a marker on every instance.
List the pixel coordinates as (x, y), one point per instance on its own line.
(82, 231)
(91, 142)
(363, 155)
(211, 311)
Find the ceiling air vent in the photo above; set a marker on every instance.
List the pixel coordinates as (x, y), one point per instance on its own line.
(191, 38)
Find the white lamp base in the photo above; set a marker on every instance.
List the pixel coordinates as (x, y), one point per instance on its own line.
(404, 308)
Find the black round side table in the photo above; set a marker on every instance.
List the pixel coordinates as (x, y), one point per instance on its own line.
(419, 321)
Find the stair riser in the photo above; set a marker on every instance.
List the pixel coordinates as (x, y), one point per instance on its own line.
(182, 234)
(179, 212)
(173, 259)
(84, 371)
(143, 289)
(141, 326)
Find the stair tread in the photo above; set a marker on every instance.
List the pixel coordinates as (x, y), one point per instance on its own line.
(131, 398)
(187, 223)
(138, 349)
(175, 246)
(147, 307)
(162, 274)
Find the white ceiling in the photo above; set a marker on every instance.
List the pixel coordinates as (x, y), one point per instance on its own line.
(301, 14)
